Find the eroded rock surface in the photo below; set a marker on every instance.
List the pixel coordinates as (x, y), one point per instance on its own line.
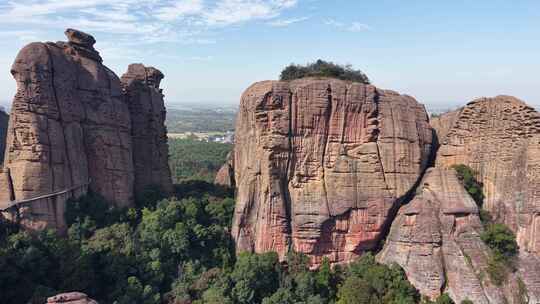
(225, 175)
(320, 164)
(71, 129)
(149, 134)
(436, 239)
(500, 139)
(71, 298)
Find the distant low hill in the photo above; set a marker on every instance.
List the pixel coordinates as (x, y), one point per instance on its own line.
(200, 119)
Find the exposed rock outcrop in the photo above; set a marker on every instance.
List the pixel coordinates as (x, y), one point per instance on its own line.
(225, 175)
(71, 129)
(500, 139)
(436, 239)
(320, 164)
(71, 298)
(149, 134)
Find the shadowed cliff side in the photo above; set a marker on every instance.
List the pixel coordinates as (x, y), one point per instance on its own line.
(4, 120)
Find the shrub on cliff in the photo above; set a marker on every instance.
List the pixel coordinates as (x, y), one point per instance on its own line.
(501, 240)
(467, 177)
(322, 68)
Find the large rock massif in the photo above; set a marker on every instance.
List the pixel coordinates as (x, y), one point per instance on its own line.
(149, 134)
(71, 129)
(321, 165)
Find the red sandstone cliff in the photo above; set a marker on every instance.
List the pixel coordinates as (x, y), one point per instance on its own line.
(320, 164)
(71, 128)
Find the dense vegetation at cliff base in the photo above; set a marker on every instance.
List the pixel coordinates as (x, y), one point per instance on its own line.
(322, 68)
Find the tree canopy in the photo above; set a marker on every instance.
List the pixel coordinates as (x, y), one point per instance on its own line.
(322, 68)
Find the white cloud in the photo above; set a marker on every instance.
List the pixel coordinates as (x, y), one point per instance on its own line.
(228, 12)
(352, 27)
(139, 20)
(359, 27)
(179, 9)
(287, 22)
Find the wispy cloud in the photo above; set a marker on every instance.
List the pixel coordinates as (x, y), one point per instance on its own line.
(141, 20)
(350, 27)
(286, 22)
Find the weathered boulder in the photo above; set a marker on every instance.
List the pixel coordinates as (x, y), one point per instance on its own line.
(71, 298)
(500, 139)
(436, 239)
(321, 164)
(149, 134)
(225, 175)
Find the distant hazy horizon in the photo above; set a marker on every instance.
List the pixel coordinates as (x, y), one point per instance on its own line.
(440, 52)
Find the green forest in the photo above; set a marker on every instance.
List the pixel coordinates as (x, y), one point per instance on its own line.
(179, 250)
(191, 159)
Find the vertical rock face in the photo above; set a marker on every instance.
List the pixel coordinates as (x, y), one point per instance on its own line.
(500, 139)
(71, 128)
(321, 164)
(69, 123)
(225, 175)
(436, 239)
(149, 134)
(4, 119)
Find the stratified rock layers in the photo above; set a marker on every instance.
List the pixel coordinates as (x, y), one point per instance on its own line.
(436, 239)
(321, 164)
(149, 134)
(500, 139)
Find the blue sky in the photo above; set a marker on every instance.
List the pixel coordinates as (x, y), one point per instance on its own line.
(444, 53)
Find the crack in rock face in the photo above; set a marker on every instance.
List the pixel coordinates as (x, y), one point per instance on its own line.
(321, 165)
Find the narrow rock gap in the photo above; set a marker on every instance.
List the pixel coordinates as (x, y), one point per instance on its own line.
(328, 117)
(285, 181)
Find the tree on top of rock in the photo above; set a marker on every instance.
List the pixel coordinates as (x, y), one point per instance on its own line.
(322, 68)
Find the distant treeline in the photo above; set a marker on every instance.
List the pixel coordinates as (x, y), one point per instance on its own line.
(200, 120)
